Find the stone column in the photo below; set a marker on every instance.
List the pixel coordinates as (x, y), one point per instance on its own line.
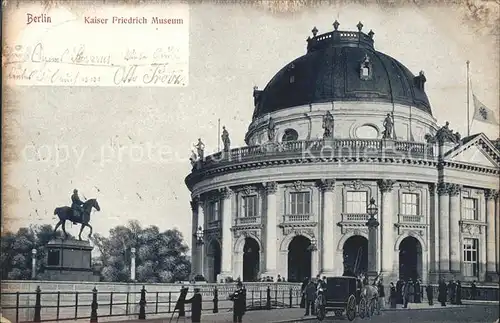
(132, 264)
(372, 225)
(444, 224)
(194, 243)
(328, 248)
(491, 244)
(454, 192)
(200, 246)
(271, 230)
(387, 229)
(227, 235)
(33, 263)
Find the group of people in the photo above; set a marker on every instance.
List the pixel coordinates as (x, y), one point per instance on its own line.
(407, 291)
(452, 292)
(239, 304)
(310, 289)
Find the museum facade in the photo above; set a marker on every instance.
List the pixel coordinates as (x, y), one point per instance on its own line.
(332, 130)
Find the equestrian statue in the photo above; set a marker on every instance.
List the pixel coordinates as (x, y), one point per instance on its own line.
(79, 212)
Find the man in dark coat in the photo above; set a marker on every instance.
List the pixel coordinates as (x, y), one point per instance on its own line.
(310, 297)
(458, 293)
(418, 291)
(442, 292)
(399, 291)
(195, 302)
(430, 294)
(381, 293)
(239, 303)
(303, 292)
(473, 290)
(452, 287)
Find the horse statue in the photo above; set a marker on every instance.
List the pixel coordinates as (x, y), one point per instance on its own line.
(65, 213)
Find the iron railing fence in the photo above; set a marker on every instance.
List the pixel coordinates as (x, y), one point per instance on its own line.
(40, 306)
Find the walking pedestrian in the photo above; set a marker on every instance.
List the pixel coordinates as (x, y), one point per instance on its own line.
(406, 294)
(418, 292)
(399, 291)
(305, 282)
(195, 302)
(452, 290)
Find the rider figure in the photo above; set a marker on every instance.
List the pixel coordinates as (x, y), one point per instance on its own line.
(76, 204)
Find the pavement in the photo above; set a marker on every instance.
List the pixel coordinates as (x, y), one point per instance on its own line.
(418, 313)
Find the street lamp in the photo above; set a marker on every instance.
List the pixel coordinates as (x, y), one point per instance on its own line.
(372, 210)
(199, 235)
(312, 247)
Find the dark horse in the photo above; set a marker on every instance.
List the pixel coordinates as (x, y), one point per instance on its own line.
(66, 213)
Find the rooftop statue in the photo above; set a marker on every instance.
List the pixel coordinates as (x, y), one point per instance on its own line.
(200, 147)
(79, 212)
(328, 125)
(193, 158)
(271, 130)
(225, 139)
(388, 126)
(445, 134)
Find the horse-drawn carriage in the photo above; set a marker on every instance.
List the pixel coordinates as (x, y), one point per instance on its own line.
(344, 295)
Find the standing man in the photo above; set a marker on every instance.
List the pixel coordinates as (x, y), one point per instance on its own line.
(239, 303)
(381, 293)
(310, 297)
(442, 292)
(430, 294)
(195, 302)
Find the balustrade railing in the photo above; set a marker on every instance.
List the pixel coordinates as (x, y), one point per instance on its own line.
(354, 217)
(409, 218)
(297, 218)
(248, 220)
(341, 148)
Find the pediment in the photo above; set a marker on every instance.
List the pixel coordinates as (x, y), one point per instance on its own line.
(478, 152)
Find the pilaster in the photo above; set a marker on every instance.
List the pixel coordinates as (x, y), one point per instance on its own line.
(444, 234)
(454, 193)
(491, 241)
(194, 243)
(387, 228)
(328, 247)
(200, 246)
(227, 236)
(271, 229)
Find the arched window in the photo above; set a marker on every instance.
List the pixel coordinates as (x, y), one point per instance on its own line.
(290, 135)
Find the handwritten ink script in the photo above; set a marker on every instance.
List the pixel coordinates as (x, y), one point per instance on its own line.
(125, 48)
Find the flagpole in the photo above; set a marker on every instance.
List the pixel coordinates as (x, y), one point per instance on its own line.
(218, 134)
(468, 112)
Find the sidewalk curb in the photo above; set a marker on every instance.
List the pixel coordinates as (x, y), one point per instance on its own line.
(313, 318)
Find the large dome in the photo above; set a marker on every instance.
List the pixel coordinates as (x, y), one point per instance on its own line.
(332, 71)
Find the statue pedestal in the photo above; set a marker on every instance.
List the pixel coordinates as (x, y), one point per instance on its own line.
(69, 260)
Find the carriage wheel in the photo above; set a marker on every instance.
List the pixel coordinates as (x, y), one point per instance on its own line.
(362, 308)
(350, 308)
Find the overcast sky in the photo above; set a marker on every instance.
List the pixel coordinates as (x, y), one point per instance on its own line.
(232, 48)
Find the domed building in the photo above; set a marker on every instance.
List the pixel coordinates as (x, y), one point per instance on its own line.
(347, 171)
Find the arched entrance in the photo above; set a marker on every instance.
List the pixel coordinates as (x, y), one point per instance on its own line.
(299, 259)
(356, 255)
(410, 259)
(251, 260)
(214, 260)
